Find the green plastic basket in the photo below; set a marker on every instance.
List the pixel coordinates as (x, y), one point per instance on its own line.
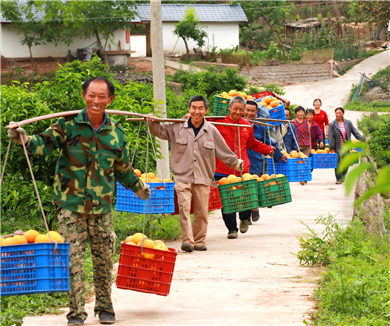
(274, 192)
(241, 199)
(221, 106)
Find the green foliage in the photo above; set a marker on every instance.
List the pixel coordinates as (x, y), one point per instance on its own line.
(255, 36)
(189, 28)
(14, 308)
(354, 288)
(213, 81)
(84, 19)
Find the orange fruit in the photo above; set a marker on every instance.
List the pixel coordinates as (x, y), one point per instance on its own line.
(265, 176)
(247, 177)
(42, 238)
(137, 172)
(129, 239)
(280, 175)
(223, 181)
(274, 104)
(7, 242)
(269, 107)
(1, 240)
(232, 92)
(148, 243)
(159, 242)
(156, 180)
(167, 180)
(19, 239)
(147, 255)
(263, 103)
(267, 99)
(30, 235)
(138, 237)
(232, 178)
(161, 246)
(130, 243)
(56, 236)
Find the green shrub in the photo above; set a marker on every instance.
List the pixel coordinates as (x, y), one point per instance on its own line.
(213, 81)
(354, 288)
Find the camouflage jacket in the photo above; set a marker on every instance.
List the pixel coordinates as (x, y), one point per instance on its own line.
(89, 162)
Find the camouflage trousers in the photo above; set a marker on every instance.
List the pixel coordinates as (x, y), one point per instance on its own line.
(74, 228)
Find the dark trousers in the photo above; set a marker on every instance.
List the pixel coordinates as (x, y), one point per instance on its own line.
(231, 218)
(340, 176)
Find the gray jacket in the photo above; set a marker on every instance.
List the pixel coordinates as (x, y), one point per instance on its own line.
(334, 134)
(193, 158)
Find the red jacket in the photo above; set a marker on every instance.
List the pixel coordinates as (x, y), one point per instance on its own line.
(247, 141)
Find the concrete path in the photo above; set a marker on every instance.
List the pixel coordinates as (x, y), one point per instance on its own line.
(335, 92)
(255, 279)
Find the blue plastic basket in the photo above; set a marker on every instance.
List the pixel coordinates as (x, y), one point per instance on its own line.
(324, 161)
(162, 199)
(34, 268)
(296, 169)
(275, 113)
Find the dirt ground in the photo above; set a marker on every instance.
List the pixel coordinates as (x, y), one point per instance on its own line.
(141, 65)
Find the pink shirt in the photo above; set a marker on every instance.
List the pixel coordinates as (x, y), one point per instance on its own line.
(344, 133)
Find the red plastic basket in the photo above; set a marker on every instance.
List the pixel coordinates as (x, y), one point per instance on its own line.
(214, 201)
(145, 269)
(256, 96)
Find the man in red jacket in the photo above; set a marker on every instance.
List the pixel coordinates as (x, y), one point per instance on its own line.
(238, 145)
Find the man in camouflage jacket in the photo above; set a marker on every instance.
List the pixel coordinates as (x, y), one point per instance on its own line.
(93, 155)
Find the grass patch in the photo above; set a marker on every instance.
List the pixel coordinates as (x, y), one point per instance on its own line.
(369, 107)
(354, 289)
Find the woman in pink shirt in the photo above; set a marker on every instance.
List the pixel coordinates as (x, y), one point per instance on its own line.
(340, 131)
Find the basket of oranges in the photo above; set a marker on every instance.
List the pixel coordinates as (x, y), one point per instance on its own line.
(274, 107)
(145, 265)
(297, 168)
(273, 190)
(31, 263)
(323, 159)
(238, 194)
(221, 102)
(161, 199)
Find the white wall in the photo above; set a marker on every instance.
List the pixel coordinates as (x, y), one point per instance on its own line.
(12, 48)
(223, 35)
(138, 44)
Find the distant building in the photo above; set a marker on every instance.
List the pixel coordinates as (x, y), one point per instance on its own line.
(222, 21)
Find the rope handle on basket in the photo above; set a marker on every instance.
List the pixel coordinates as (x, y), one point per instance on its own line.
(34, 182)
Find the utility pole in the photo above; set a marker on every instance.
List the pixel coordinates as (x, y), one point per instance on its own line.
(159, 80)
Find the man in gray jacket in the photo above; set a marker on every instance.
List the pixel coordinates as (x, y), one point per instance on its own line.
(194, 146)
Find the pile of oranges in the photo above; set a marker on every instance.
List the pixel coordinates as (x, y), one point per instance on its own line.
(31, 236)
(294, 154)
(232, 92)
(247, 176)
(270, 102)
(320, 151)
(140, 239)
(150, 177)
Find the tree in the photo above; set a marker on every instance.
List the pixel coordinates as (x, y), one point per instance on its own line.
(273, 13)
(97, 19)
(188, 29)
(24, 19)
(373, 12)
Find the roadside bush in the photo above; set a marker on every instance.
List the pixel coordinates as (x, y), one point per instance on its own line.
(354, 288)
(211, 82)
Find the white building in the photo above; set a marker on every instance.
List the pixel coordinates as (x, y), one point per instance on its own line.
(220, 21)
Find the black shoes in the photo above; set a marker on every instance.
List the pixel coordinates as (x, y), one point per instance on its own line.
(255, 215)
(200, 248)
(187, 247)
(75, 321)
(106, 318)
